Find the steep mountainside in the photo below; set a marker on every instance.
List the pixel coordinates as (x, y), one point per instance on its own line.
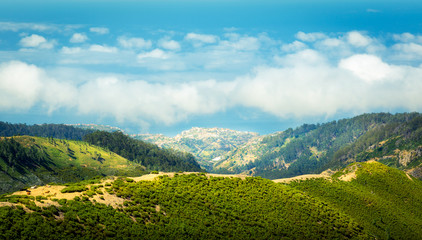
(391, 139)
(27, 161)
(208, 145)
(363, 201)
(147, 154)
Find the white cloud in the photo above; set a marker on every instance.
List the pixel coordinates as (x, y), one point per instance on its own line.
(293, 47)
(156, 53)
(15, 27)
(358, 40)
(306, 57)
(22, 86)
(204, 38)
(134, 43)
(332, 42)
(310, 37)
(36, 41)
(71, 50)
(240, 43)
(103, 49)
(317, 76)
(367, 67)
(404, 37)
(408, 51)
(99, 30)
(169, 44)
(78, 38)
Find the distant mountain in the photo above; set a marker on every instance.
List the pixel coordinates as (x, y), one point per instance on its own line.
(27, 161)
(60, 131)
(208, 145)
(395, 140)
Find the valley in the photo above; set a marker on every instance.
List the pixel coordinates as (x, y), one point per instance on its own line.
(355, 178)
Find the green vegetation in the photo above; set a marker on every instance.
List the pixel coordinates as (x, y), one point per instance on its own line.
(186, 207)
(385, 201)
(146, 154)
(378, 202)
(27, 161)
(315, 148)
(60, 131)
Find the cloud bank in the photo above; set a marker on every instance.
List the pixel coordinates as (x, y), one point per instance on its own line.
(318, 74)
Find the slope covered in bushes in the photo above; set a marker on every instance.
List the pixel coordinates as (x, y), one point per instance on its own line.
(146, 154)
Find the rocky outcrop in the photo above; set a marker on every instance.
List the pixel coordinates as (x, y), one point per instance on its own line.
(405, 157)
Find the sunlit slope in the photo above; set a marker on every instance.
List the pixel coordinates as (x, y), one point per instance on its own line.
(385, 201)
(26, 161)
(395, 140)
(193, 206)
(208, 145)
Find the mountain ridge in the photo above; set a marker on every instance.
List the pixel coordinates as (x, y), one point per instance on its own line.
(206, 144)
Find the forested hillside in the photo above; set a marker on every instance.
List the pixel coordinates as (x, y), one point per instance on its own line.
(27, 161)
(60, 131)
(146, 154)
(385, 201)
(364, 201)
(392, 139)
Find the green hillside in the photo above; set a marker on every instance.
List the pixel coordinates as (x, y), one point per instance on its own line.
(385, 201)
(392, 139)
(149, 155)
(363, 201)
(26, 161)
(183, 207)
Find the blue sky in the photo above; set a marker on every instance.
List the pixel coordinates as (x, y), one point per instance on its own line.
(167, 66)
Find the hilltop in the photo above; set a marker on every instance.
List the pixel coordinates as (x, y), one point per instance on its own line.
(362, 201)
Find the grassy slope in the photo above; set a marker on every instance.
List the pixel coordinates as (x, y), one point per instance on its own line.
(187, 207)
(65, 161)
(386, 201)
(377, 202)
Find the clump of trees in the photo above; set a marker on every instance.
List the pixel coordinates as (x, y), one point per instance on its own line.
(60, 131)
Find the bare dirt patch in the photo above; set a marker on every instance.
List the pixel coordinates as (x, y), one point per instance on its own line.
(326, 174)
(151, 177)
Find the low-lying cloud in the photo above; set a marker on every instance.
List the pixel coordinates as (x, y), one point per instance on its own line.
(316, 75)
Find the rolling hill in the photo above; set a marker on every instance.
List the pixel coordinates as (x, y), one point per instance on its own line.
(363, 201)
(27, 161)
